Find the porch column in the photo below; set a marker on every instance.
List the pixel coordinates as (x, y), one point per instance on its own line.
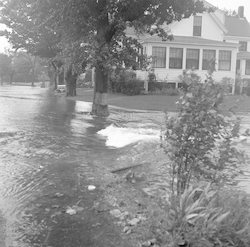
(167, 57)
(217, 60)
(200, 59)
(184, 58)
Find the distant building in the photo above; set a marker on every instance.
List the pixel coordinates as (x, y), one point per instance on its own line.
(197, 40)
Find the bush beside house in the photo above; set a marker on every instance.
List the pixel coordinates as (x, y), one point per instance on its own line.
(124, 81)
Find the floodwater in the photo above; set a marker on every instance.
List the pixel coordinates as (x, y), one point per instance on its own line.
(51, 148)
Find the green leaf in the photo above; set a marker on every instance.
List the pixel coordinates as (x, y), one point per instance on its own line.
(222, 217)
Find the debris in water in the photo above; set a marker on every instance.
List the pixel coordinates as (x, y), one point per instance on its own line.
(58, 194)
(56, 214)
(91, 187)
(70, 211)
(116, 213)
(134, 222)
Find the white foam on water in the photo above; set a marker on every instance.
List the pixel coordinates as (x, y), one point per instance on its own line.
(122, 136)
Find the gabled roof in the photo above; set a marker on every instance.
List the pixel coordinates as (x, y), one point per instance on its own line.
(237, 26)
(190, 40)
(214, 17)
(243, 55)
(218, 22)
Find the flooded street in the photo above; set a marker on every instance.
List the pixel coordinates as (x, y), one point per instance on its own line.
(51, 149)
(50, 152)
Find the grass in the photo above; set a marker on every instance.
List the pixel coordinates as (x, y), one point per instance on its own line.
(237, 103)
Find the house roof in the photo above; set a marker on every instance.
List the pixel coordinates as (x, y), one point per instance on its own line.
(243, 55)
(237, 26)
(218, 22)
(190, 40)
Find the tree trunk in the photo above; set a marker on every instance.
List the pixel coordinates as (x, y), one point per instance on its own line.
(56, 75)
(103, 37)
(11, 77)
(71, 82)
(71, 87)
(51, 74)
(100, 104)
(33, 78)
(61, 77)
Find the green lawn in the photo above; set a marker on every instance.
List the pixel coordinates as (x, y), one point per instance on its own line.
(158, 102)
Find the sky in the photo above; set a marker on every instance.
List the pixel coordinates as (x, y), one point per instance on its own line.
(233, 5)
(222, 4)
(3, 41)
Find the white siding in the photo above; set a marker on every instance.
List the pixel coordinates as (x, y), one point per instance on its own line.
(236, 40)
(210, 30)
(232, 41)
(183, 28)
(172, 75)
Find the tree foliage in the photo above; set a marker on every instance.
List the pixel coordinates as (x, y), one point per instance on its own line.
(26, 31)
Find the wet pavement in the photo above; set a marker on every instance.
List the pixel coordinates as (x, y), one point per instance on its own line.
(51, 149)
(50, 152)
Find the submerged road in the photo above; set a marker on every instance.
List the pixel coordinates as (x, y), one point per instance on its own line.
(49, 154)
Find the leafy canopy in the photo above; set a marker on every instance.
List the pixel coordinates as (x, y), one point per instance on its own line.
(26, 31)
(90, 30)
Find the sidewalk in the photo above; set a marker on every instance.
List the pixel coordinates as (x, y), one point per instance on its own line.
(156, 102)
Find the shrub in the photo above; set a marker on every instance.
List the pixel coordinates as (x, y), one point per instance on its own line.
(170, 91)
(246, 88)
(242, 85)
(226, 85)
(84, 80)
(151, 82)
(198, 140)
(157, 87)
(124, 81)
(132, 87)
(207, 217)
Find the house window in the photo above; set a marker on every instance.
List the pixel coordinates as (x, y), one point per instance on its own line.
(192, 60)
(224, 60)
(159, 57)
(197, 26)
(247, 72)
(208, 55)
(175, 58)
(243, 46)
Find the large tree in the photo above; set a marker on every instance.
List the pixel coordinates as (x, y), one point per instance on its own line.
(27, 33)
(93, 31)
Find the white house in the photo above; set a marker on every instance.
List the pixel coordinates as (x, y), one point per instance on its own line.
(239, 32)
(197, 40)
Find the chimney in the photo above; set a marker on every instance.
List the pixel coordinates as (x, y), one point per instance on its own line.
(241, 11)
